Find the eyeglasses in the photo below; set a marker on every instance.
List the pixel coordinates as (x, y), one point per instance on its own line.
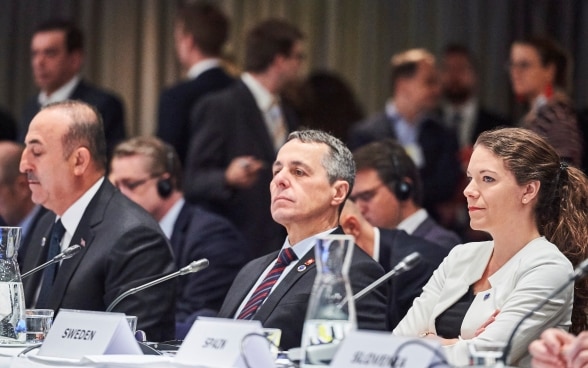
(366, 195)
(131, 184)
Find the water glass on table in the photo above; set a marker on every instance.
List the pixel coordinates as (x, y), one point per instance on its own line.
(38, 322)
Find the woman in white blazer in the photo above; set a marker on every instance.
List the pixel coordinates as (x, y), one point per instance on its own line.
(535, 208)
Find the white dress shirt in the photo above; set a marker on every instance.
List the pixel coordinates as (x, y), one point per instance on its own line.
(300, 248)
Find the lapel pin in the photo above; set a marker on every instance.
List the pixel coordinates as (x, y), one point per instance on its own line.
(303, 267)
(43, 241)
(486, 296)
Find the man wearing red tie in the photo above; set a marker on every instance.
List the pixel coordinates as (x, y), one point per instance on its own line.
(312, 176)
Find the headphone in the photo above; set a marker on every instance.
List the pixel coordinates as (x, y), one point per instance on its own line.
(401, 187)
(164, 186)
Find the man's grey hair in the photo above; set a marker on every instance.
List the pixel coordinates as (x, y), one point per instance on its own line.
(338, 163)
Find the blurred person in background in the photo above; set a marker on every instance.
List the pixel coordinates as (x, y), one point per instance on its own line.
(539, 74)
(201, 30)
(57, 58)
(409, 118)
(16, 206)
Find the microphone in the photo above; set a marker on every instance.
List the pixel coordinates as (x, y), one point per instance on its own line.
(195, 266)
(66, 254)
(404, 265)
(579, 272)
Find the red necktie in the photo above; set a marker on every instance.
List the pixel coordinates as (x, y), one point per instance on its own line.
(263, 290)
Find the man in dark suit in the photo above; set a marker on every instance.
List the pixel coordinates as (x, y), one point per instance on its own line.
(148, 171)
(389, 247)
(237, 131)
(461, 110)
(388, 192)
(408, 117)
(463, 114)
(121, 245)
(201, 30)
(57, 56)
(313, 173)
(16, 206)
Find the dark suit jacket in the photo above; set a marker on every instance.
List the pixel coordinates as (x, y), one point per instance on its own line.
(175, 104)
(441, 171)
(404, 288)
(435, 233)
(201, 234)
(225, 125)
(26, 238)
(285, 308)
(487, 120)
(122, 247)
(110, 108)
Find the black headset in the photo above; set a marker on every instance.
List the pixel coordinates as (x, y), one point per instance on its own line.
(401, 187)
(164, 185)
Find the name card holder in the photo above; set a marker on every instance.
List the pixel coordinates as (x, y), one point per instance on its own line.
(77, 333)
(218, 342)
(380, 349)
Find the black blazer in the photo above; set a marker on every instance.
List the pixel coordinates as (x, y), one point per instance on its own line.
(109, 105)
(404, 288)
(435, 233)
(225, 125)
(122, 247)
(176, 102)
(487, 120)
(201, 234)
(285, 308)
(26, 238)
(441, 171)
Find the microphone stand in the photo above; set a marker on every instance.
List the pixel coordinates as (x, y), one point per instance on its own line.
(66, 254)
(404, 265)
(192, 267)
(578, 272)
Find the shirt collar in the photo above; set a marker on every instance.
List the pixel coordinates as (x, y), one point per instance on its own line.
(413, 221)
(263, 98)
(391, 110)
(376, 255)
(61, 94)
(305, 245)
(72, 216)
(169, 220)
(202, 66)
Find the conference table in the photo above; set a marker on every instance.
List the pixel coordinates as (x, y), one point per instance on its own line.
(9, 359)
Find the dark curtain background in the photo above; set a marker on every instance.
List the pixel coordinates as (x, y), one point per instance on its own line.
(130, 47)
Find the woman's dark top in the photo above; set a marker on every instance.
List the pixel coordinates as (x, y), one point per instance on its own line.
(448, 323)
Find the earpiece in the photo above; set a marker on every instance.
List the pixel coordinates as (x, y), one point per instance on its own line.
(164, 185)
(401, 187)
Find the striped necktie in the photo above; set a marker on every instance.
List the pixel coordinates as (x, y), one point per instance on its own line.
(285, 257)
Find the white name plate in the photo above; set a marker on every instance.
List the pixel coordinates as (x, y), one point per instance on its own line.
(382, 349)
(218, 342)
(75, 334)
